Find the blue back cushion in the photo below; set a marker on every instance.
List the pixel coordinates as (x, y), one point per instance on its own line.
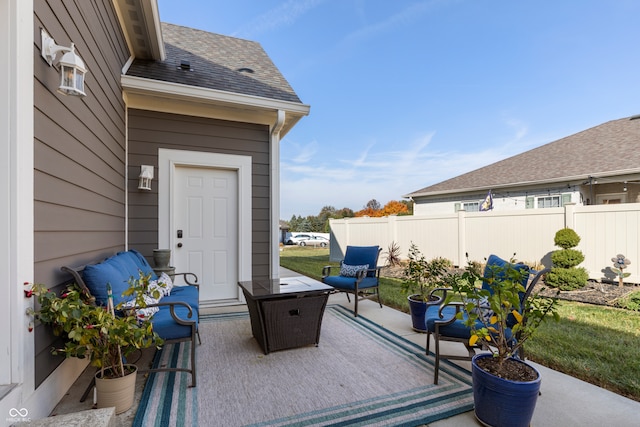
(496, 261)
(140, 262)
(360, 255)
(115, 270)
(97, 276)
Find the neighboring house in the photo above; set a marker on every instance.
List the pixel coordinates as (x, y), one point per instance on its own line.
(600, 165)
(284, 231)
(204, 112)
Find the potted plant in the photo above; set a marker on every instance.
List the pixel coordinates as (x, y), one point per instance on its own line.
(501, 320)
(420, 278)
(100, 334)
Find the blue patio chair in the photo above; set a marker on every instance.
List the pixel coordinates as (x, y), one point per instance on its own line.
(441, 319)
(359, 274)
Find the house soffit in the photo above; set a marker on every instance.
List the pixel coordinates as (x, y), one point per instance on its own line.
(168, 97)
(140, 23)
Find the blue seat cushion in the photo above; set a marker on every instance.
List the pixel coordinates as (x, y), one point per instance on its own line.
(457, 329)
(349, 283)
(167, 328)
(188, 294)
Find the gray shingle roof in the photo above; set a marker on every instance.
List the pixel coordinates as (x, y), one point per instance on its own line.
(216, 62)
(601, 150)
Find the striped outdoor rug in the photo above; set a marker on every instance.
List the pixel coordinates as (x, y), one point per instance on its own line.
(361, 374)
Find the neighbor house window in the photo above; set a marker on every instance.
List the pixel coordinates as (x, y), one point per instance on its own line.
(472, 206)
(549, 202)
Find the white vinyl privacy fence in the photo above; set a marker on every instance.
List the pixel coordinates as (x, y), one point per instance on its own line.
(605, 231)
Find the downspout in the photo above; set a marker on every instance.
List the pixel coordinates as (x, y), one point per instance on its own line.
(275, 192)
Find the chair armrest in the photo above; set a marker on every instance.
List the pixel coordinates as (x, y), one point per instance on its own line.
(187, 277)
(361, 274)
(534, 281)
(326, 271)
(435, 299)
(443, 322)
(172, 306)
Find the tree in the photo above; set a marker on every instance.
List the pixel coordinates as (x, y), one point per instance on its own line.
(373, 204)
(395, 207)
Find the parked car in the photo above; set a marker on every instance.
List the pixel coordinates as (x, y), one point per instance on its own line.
(294, 239)
(314, 241)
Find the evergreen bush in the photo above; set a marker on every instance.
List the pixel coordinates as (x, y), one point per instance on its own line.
(565, 275)
(567, 258)
(566, 238)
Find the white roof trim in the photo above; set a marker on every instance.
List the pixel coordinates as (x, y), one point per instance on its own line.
(142, 85)
(563, 179)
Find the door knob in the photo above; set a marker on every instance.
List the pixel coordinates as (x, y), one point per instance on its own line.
(179, 245)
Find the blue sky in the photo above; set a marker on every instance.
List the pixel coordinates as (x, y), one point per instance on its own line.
(405, 94)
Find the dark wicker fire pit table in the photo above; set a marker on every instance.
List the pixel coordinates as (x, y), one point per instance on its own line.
(285, 313)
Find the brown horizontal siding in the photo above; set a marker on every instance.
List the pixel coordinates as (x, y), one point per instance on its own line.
(150, 131)
(79, 148)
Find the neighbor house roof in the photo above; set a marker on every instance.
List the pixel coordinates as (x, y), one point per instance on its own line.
(610, 149)
(213, 61)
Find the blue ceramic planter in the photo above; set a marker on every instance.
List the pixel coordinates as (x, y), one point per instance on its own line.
(418, 310)
(499, 402)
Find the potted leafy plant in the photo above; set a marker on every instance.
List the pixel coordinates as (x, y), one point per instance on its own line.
(420, 278)
(104, 335)
(502, 317)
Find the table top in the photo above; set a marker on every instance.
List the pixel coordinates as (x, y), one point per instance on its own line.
(285, 286)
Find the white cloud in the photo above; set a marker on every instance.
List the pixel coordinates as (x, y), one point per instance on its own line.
(380, 175)
(283, 15)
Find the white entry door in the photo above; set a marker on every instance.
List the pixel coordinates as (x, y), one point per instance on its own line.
(205, 229)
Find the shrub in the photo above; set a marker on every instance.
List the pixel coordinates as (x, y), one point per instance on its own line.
(564, 274)
(567, 279)
(566, 238)
(567, 258)
(630, 302)
(393, 255)
(422, 276)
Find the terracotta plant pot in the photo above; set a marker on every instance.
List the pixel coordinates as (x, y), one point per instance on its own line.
(118, 392)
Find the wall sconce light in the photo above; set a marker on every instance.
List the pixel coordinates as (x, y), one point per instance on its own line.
(145, 177)
(72, 68)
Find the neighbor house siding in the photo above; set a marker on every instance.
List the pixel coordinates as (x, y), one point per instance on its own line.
(79, 148)
(150, 131)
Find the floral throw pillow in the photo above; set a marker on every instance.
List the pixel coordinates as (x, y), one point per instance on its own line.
(156, 290)
(143, 313)
(483, 309)
(351, 270)
(167, 284)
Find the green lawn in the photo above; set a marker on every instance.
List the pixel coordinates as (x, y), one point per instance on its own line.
(600, 345)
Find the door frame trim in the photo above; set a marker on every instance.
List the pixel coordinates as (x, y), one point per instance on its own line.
(169, 159)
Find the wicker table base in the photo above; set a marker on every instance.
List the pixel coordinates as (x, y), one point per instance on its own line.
(286, 320)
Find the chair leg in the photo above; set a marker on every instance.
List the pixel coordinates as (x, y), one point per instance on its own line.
(194, 332)
(436, 366)
(355, 299)
(428, 343)
(378, 293)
